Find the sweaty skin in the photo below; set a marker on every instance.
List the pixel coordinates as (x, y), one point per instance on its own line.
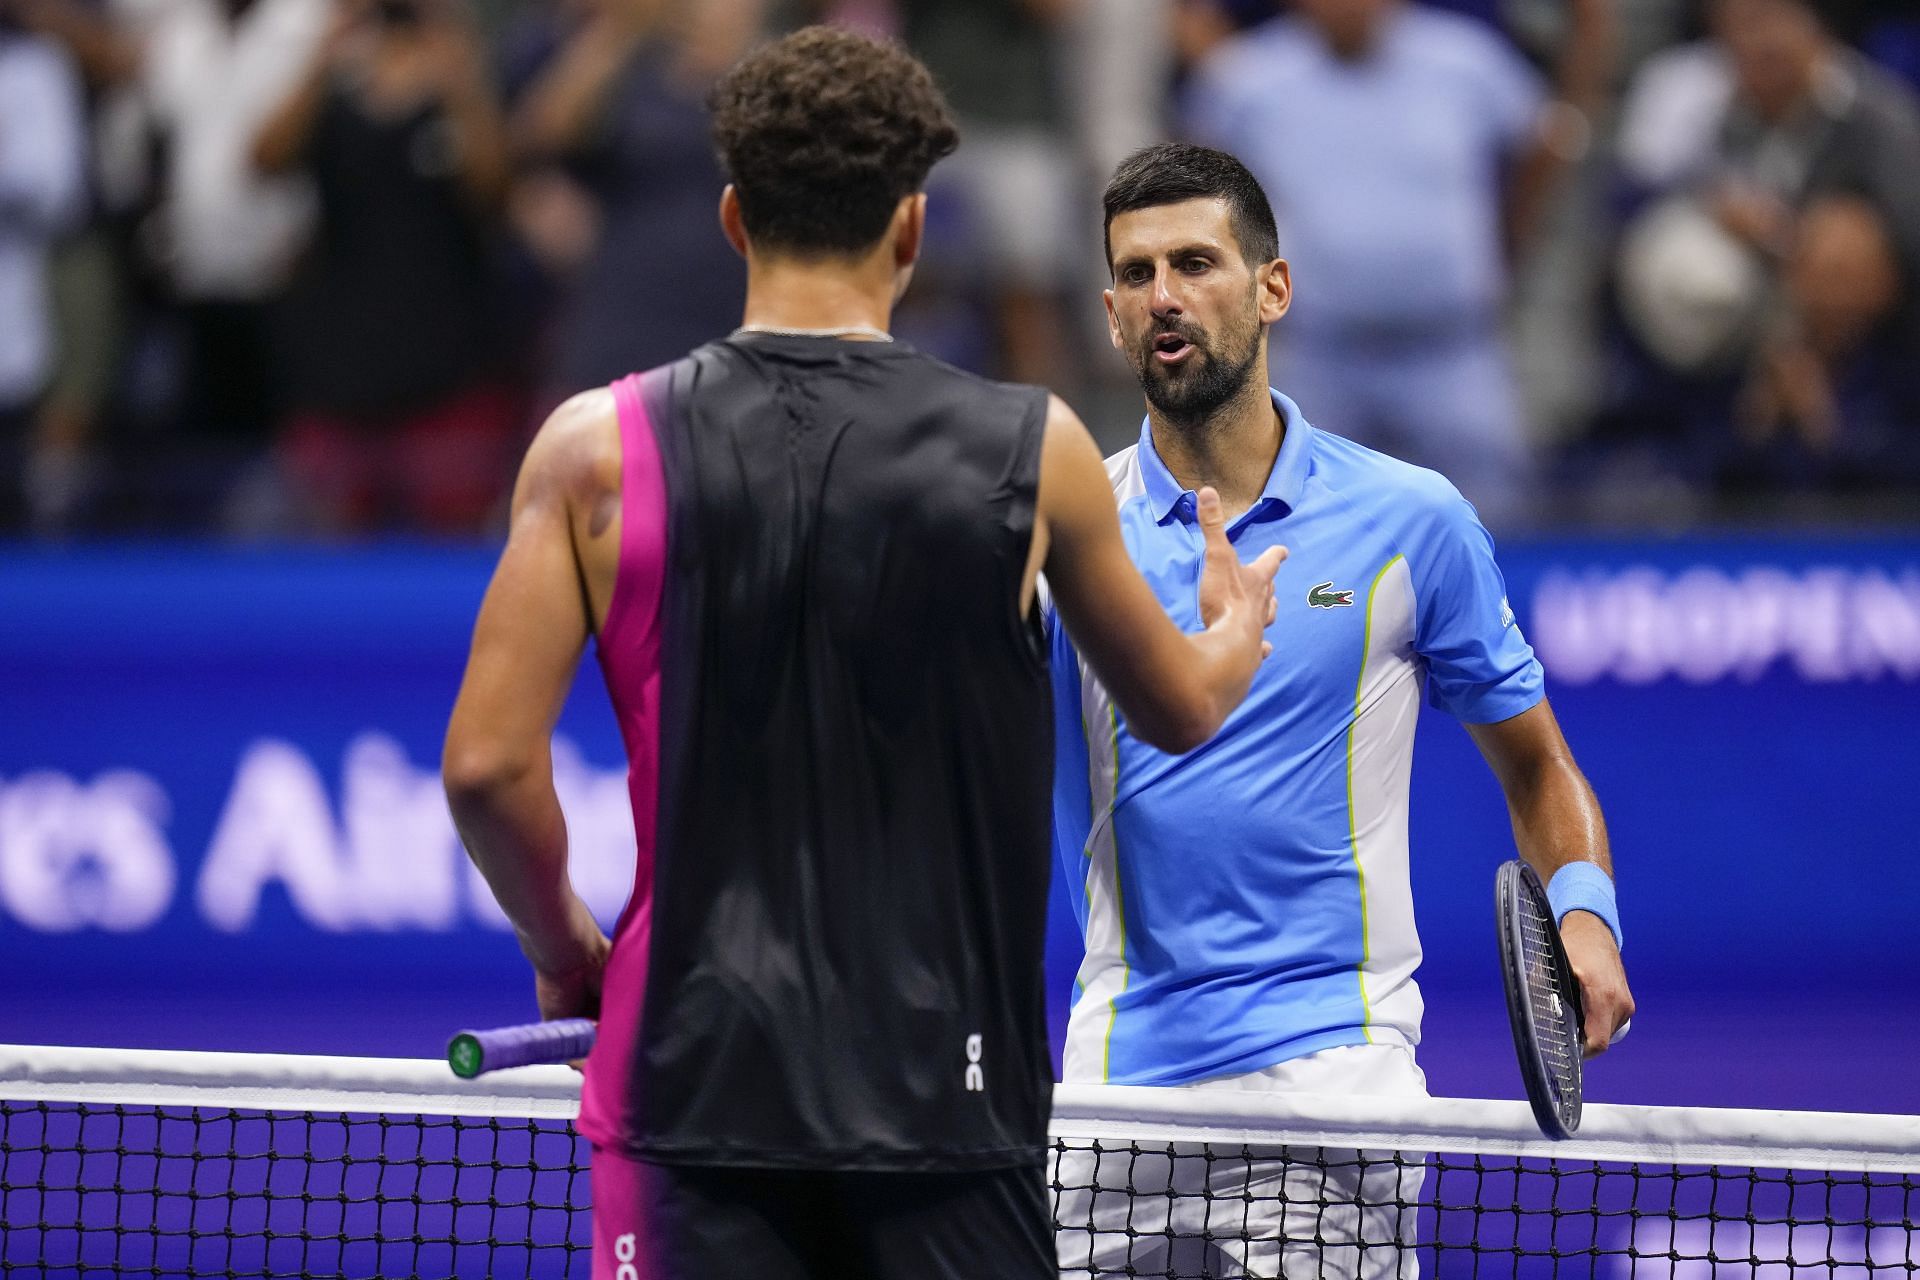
(554, 583)
(1178, 270)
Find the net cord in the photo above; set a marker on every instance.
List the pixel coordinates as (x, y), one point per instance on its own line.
(1809, 1140)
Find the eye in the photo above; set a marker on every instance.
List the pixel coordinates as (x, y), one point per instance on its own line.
(1136, 275)
(1194, 266)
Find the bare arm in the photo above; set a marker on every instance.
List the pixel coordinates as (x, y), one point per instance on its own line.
(1556, 821)
(105, 55)
(283, 136)
(457, 67)
(1565, 131)
(472, 105)
(497, 765)
(561, 106)
(1174, 689)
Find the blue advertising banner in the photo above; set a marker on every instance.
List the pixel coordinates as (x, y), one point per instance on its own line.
(221, 823)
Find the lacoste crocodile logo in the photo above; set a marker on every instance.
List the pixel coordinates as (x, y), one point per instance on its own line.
(1324, 596)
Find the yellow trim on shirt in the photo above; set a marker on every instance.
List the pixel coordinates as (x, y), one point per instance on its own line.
(1353, 826)
(1119, 902)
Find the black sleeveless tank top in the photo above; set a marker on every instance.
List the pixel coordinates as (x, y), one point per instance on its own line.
(850, 858)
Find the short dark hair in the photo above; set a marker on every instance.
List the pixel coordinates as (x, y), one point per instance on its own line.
(1171, 172)
(823, 134)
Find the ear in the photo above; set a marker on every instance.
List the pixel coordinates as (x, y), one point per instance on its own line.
(732, 223)
(910, 230)
(1113, 320)
(1274, 285)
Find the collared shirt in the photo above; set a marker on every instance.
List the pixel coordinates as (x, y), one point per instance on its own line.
(1385, 172)
(1249, 902)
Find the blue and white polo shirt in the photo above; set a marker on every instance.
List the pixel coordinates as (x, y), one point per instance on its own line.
(1249, 902)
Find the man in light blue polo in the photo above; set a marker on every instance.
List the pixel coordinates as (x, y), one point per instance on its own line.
(1246, 907)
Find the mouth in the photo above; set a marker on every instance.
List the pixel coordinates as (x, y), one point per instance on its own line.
(1171, 348)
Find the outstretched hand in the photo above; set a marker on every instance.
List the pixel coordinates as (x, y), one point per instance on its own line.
(1234, 595)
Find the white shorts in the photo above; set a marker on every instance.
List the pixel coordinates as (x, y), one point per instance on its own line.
(1307, 1213)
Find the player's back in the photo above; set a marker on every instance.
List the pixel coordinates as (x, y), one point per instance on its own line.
(842, 792)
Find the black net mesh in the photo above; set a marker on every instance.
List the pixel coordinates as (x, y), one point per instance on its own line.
(164, 1191)
(102, 1190)
(1189, 1211)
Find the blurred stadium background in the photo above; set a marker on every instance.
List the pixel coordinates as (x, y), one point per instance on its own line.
(286, 284)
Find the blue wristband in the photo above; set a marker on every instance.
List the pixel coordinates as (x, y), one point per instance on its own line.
(1581, 886)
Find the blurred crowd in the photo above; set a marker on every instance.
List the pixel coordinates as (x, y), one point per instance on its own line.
(275, 267)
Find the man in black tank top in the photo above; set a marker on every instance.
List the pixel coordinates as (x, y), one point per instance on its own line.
(809, 558)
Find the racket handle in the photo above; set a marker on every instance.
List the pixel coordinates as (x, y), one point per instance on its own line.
(1620, 1032)
(472, 1053)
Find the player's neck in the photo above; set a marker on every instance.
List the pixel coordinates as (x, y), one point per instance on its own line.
(829, 295)
(1233, 450)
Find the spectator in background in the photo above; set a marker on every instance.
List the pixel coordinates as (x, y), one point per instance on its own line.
(1408, 153)
(397, 411)
(89, 273)
(623, 187)
(225, 234)
(42, 186)
(1012, 180)
(1770, 276)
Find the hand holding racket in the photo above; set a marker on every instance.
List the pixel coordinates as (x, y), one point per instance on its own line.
(474, 1053)
(1544, 1001)
(1606, 1002)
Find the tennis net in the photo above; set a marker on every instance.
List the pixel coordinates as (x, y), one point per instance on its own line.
(187, 1164)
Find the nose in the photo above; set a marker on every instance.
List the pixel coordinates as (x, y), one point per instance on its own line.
(1163, 302)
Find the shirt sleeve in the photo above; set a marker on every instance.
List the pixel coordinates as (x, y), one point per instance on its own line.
(43, 143)
(1480, 668)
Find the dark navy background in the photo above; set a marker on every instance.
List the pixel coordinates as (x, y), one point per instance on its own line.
(1764, 823)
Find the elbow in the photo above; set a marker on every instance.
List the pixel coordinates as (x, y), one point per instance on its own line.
(1178, 729)
(1174, 741)
(475, 774)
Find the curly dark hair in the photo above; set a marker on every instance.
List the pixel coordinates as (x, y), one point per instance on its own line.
(823, 134)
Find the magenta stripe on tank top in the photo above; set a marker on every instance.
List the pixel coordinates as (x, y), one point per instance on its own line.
(629, 646)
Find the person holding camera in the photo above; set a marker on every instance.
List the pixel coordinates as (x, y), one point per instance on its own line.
(390, 324)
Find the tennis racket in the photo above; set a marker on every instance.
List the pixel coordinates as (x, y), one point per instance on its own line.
(1543, 999)
(473, 1053)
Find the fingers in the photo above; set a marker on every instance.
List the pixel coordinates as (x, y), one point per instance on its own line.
(1269, 562)
(1609, 1011)
(1213, 523)
(1604, 993)
(1596, 1041)
(1213, 516)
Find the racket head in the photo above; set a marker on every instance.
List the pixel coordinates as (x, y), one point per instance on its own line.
(1543, 999)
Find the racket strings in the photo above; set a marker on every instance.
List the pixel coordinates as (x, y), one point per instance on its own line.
(1553, 1011)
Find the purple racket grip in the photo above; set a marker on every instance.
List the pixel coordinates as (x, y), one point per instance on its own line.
(472, 1053)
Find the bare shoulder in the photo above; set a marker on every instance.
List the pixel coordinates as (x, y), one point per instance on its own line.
(1070, 463)
(1068, 444)
(1060, 416)
(576, 454)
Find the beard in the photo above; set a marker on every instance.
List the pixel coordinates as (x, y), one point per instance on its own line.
(1217, 373)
